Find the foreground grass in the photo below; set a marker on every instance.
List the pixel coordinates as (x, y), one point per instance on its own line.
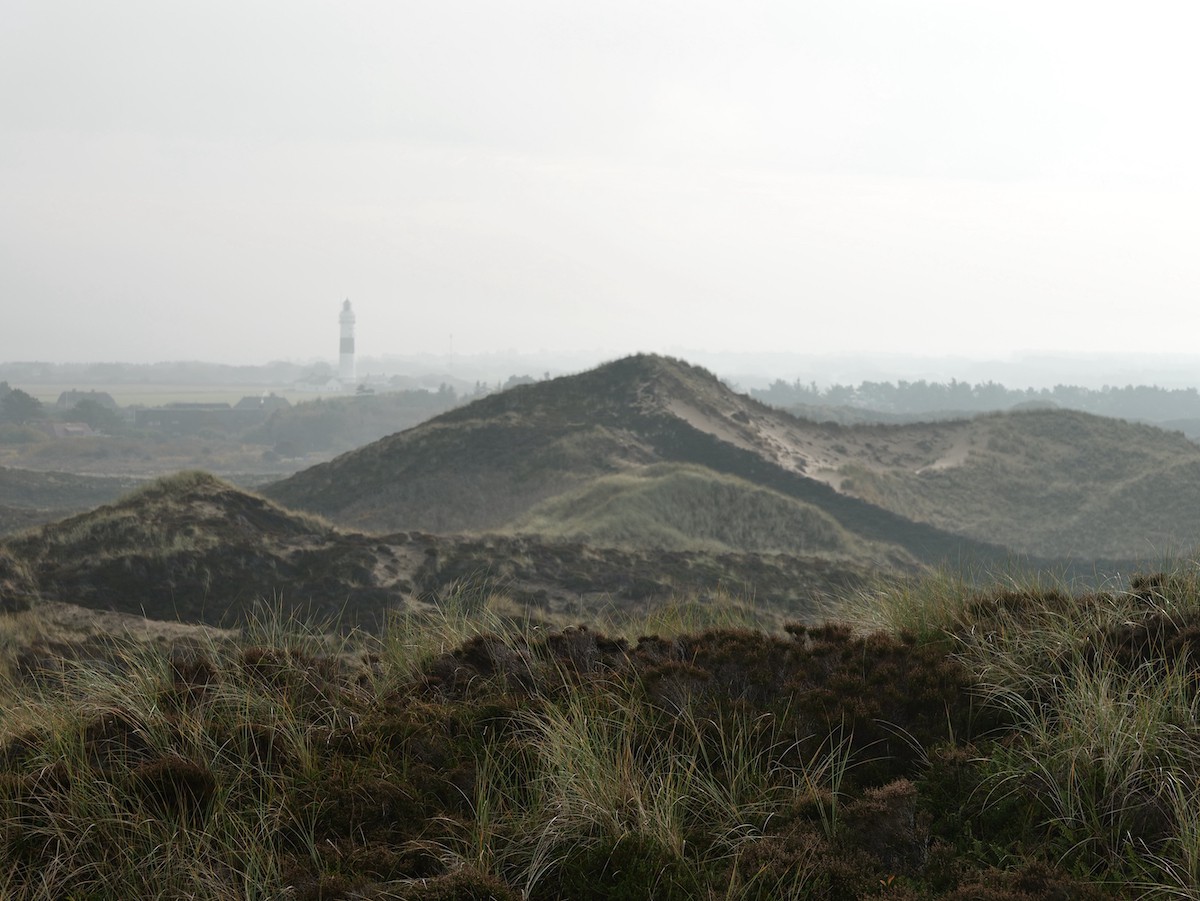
(1013, 744)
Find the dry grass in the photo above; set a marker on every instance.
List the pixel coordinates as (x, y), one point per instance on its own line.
(1102, 693)
(1035, 742)
(680, 507)
(1056, 484)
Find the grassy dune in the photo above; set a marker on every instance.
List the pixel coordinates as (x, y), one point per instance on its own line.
(480, 467)
(1017, 743)
(195, 548)
(1046, 482)
(681, 507)
(192, 547)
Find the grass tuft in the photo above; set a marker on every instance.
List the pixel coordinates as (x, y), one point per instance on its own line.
(1014, 742)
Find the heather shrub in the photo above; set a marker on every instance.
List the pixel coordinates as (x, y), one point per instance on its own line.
(1040, 745)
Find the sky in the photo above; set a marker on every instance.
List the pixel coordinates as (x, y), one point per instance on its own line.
(209, 180)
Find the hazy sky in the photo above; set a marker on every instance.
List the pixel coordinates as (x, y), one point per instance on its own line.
(208, 180)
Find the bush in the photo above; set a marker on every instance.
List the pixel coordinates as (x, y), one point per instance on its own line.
(21, 434)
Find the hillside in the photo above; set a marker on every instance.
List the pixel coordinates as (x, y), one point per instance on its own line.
(194, 548)
(681, 507)
(557, 457)
(1053, 482)
(483, 466)
(476, 467)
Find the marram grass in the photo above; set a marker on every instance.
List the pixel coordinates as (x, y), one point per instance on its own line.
(1009, 743)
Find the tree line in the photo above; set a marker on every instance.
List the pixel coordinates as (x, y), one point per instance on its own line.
(1140, 402)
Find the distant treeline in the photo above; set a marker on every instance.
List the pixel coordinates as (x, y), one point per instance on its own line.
(343, 423)
(1138, 402)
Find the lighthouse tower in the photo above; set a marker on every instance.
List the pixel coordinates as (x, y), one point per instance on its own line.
(346, 368)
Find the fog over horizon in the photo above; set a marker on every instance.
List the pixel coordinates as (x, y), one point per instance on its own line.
(988, 182)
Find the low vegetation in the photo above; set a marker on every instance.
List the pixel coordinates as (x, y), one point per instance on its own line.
(484, 466)
(584, 454)
(29, 498)
(1008, 744)
(632, 452)
(687, 508)
(1047, 482)
(652, 704)
(193, 547)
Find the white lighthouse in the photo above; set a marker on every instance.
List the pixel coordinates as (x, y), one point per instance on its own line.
(346, 367)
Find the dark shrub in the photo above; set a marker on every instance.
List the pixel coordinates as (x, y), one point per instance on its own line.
(1033, 882)
(802, 857)
(466, 884)
(885, 824)
(175, 788)
(191, 676)
(116, 738)
(630, 868)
